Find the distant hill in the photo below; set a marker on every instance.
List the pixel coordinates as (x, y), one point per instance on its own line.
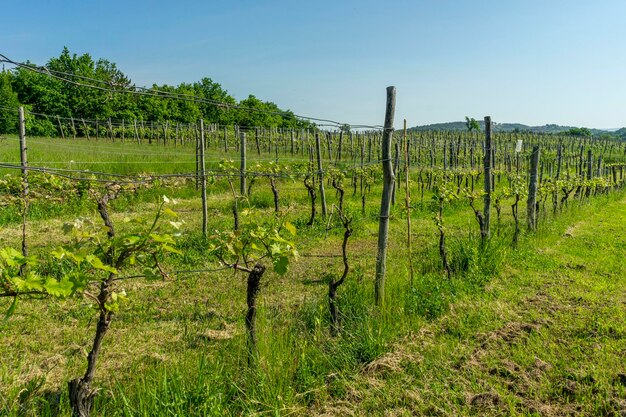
(512, 127)
(621, 133)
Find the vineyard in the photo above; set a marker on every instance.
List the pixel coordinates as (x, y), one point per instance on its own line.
(167, 268)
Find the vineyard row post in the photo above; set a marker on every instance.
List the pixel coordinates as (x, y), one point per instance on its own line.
(385, 203)
(203, 179)
(408, 205)
(318, 151)
(487, 164)
(532, 189)
(242, 168)
(24, 163)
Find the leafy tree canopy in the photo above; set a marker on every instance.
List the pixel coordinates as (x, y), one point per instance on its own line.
(43, 93)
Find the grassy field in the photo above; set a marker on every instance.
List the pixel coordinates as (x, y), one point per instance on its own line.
(535, 330)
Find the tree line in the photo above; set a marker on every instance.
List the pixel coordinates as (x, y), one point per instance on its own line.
(44, 94)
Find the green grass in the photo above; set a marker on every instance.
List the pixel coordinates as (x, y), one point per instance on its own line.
(538, 330)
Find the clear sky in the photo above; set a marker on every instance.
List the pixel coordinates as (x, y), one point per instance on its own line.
(527, 61)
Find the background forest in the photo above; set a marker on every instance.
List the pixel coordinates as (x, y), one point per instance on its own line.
(40, 93)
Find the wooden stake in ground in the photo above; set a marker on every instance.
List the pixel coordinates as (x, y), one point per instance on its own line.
(203, 179)
(320, 173)
(487, 164)
(60, 128)
(24, 178)
(532, 189)
(385, 203)
(408, 206)
(242, 168)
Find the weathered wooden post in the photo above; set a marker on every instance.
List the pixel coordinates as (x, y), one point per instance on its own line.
(396, 164)
(225, 139)
(385, 203)
(589, 172)
(86, 129)
(203, 179)
(256, 140)
(24, 161)
(487, 164)
(339, 146)
(60, 128)
(408, 207)
(320, 172)
(197, 137)
(532, 189)
(242, 166)
(73, 128)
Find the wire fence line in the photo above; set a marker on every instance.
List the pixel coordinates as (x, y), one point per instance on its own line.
(146, 178)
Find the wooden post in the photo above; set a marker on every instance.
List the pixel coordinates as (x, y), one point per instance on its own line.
(197, 138)
(242, 166)
(60, 127)
(589, 171)
(385, 203)
(225, 139)
(339, 147)
(396, 164)
(532, 189)
(136, 132)
(487, 164)
(408, 206)
(24, 178)
(73, 128)
(86, 129)
(559, 158)
(203, 179)
(320, 173)
(111, 130)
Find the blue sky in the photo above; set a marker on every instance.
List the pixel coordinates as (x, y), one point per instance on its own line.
(530, 61)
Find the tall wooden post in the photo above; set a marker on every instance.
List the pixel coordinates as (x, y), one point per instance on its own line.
(60, 128)
(203, 179)
(385, 203)
(24, 177)
(589, 171)
(320, 172)
(73, 128)
(532, 189)
(487, 164)
(197, 137)
(559, 158)
(225, 140)
(242, 166)
(86, 129)
(408, 206)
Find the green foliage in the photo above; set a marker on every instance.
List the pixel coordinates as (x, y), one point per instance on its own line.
(92, 256)
(578, 131)
(254, 241)
(8, 100)
(48, 95)
(471, 124)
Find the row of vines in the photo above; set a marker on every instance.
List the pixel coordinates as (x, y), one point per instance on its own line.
(433, 171)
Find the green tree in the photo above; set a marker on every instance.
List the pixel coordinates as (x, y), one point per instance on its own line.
(471, 124)
(8, 104)
(578, 131)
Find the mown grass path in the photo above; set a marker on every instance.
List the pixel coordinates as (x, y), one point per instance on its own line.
(547, 337)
